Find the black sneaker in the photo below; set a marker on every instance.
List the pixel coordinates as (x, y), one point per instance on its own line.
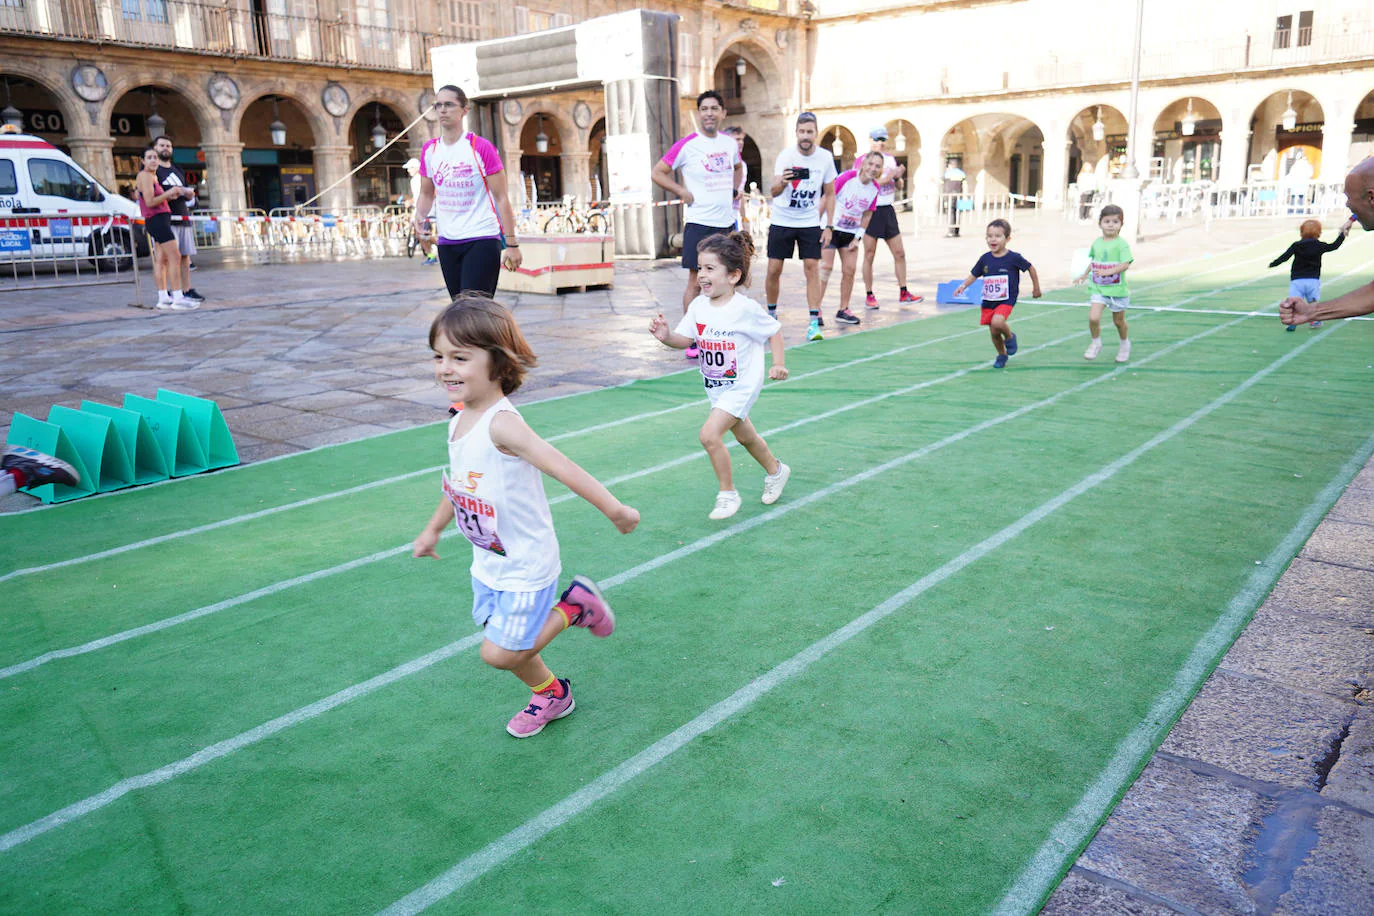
(192, 294)
(191, 266)
(846, 317)
(38, 467)
(818, 318)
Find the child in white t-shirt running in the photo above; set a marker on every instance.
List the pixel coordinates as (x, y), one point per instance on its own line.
(1108, 260)
(494, 490)
(730, 330)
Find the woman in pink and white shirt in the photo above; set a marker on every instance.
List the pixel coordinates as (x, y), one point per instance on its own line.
(856, 199)
(463, 179)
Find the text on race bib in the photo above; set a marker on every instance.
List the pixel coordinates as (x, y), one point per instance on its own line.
(1101, 280)
(996, 287)
(475, 517)
(717, 362)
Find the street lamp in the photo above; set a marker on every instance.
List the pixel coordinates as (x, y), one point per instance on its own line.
(277, 128)
(1130, 172)
(837, 148)
(1099, 129)
(1290, 117)
(541, 139)
(157, 125)
(378, 131)
(900, 143)
(740, 66)
(1189, 120)
(12, 116)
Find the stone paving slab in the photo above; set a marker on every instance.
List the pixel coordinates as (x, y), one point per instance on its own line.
(1337, 877)
(1351, 779)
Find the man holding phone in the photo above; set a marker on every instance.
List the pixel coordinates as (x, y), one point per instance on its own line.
(803, 192)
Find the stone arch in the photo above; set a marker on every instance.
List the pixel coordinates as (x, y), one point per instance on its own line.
(988, 145)
(755, 52)
(1103, 158)
(199, 105)
(383, 179)
(316, 118)
(74, 113)
(1186, 156)
(850, 145)
(1274, 151)
(546, 170)
(904, 144)
(1362, 139)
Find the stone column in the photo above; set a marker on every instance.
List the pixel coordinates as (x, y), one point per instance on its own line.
(224, 175)
(1337, 135)
(95, 155)
(514, 179)
(577, 175)
(1235, 156)
(924, 185)
(332, 163)
(1054, 172)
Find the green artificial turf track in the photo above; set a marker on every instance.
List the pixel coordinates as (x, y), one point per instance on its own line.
(1038, 630)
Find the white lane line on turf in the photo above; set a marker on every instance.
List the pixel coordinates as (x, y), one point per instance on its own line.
(305, 713)
(1038, 877)
(325, 497)
(500, 850)
(1167, 308)
(105, 642)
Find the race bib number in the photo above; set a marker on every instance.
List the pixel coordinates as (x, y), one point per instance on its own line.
(475, 517)
(996, 288)
(717, 362)
(1101, 280)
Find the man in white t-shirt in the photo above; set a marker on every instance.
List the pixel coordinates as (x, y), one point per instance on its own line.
(711, 172)
(803, 190)
(883, 225)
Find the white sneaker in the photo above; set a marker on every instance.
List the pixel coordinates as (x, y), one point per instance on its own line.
(727, 504)
(773, 484)
(164, 300)
(181, 304)
(1094, 348)
(1123, 352)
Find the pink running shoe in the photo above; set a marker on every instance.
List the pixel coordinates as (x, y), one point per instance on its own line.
(691, 352)
(542, 710)
(908, 297)
(871, 301)
(594, 613)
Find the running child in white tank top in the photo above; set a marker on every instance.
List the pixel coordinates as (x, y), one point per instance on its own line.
(494, 490)
(730, 330)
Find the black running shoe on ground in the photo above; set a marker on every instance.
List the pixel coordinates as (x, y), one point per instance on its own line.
(846, 317)
(193, 295)
(38, 467)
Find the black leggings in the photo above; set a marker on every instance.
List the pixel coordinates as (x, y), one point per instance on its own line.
(471, 266)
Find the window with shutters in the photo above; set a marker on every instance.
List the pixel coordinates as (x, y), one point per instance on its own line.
(1304, 28)
(1283, 31)
(464, 20)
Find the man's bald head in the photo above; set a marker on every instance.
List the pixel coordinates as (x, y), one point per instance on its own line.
(1359, 192)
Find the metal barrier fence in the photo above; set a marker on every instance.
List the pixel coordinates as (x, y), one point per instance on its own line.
(1258, 200)
(42, 252)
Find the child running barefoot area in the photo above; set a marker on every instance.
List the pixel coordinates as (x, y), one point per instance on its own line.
(1110, 257)
(494, 490)
(1305, 277)
(730, 330)
(1001, 270)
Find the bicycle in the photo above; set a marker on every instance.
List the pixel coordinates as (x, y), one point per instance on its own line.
(592, 220)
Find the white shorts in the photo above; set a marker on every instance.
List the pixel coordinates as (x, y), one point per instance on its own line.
(512, 620)
(1115, 303)
(185, 234)
(736, 399)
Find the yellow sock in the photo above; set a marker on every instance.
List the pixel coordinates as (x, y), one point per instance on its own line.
(567, 621)
(546, 685)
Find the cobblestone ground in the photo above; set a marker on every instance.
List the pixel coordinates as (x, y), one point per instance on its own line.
(1260, 801)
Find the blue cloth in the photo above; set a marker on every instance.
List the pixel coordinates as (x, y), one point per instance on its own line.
(1009, 265)
(513, 620)
(1308, 288)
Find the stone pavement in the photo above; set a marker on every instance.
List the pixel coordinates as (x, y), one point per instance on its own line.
(1262, 798)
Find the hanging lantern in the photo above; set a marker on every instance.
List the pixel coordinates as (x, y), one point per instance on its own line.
(740, 66)
(277, 128)
(378, 131)
(157, 125)
(541, 139)
(1099, 129)
(837, 148)
(1189, 120)
(900, 143)
(1290, 117)
(12, 116)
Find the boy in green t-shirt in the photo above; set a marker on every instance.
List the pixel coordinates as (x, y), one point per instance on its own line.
(1110, 259)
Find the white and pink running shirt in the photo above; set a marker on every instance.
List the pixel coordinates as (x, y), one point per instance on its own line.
(887, 193)
(462, 207)
(853, 199)
(708, 171)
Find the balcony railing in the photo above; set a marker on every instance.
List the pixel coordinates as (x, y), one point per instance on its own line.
(222, 29)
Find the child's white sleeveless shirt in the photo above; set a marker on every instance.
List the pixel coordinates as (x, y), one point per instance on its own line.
(499, 505)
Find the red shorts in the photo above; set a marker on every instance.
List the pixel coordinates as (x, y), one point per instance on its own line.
(988, 311)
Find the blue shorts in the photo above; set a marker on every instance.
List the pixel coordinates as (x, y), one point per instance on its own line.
(513, 620)
(1307, 288)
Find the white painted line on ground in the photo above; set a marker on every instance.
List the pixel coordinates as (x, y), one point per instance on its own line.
(1168, 308)
(305, 713)
(105, 642)
(325, 497)
(499, 851)
(1040, 874)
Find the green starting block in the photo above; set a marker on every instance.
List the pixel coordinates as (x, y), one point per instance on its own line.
(50, 438)
(146, 440)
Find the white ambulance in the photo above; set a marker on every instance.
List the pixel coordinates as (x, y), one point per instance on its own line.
(52, 209)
